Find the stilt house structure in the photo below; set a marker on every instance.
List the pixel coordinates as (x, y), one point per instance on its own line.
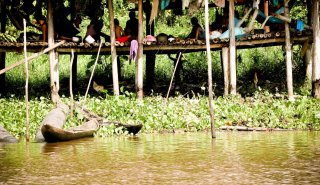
(309, 38)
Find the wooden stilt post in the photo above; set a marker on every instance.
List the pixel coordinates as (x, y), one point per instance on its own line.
(139, 63)
(150, 58)
(308, 54)
(115, 66)
(54, 64)
(27, 78)
(266, 13)
(3, 19)
(232, 50)
(225, 66)
(288, 54)
(75, 55)
(316, 51)
(211, 108)
(308, 62)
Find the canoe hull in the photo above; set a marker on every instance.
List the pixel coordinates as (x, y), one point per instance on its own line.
(54, 134)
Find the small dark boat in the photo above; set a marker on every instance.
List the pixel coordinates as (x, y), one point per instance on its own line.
(54, 134)
(132, 129)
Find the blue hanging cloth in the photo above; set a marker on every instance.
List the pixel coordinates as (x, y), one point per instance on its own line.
(275, 2)
(164, 4)
(300, 25)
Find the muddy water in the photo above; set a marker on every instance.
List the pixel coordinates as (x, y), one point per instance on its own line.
(193, 158)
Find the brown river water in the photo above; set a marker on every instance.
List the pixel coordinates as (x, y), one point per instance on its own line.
(191, 158)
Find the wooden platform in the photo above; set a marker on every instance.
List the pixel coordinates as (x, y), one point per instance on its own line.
(185, 46)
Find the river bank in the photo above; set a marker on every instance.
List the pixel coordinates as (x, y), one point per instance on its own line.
(179, 113)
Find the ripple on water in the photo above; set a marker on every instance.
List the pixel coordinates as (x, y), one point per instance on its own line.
(192, 158)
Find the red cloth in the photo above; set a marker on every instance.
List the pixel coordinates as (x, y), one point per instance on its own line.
(123, 39)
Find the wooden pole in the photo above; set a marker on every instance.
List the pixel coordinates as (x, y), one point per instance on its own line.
(54, 64)
(308, 55)
(308, 62)
(93, 70)
(232, 50)
(211, 109)
(71, 85)
(75, 55)
(27, 78)
(3, 19)
(173, 74)
(226, 72)
(33, 56)
(139, 63)
(115, 75)
(316, 51)
(150, 57)
(288, 54)
(266, 13)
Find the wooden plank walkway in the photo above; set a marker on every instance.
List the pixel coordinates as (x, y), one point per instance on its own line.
(185, 46)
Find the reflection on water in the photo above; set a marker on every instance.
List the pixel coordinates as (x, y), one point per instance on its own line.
(193, 158)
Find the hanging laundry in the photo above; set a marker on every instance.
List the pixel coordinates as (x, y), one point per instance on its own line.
(300, 25)
(275, 2)
(195, 5)
(154, 11)
(185, 4)
(255, 4)
(133, 50)
(220, 3)
(164, 4)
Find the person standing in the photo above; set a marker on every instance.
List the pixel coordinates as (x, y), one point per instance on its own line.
(132, 25)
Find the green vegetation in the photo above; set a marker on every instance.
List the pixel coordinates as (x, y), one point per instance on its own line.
(178, 114)
(187, 108)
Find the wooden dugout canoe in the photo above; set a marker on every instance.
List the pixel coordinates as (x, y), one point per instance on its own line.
(54, 134)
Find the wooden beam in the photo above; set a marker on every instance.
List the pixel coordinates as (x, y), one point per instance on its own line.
(288, 54)
(115, 75)
(54, 64)
(31, 57)
(316, 51)
(232, 50)
(139, 63)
